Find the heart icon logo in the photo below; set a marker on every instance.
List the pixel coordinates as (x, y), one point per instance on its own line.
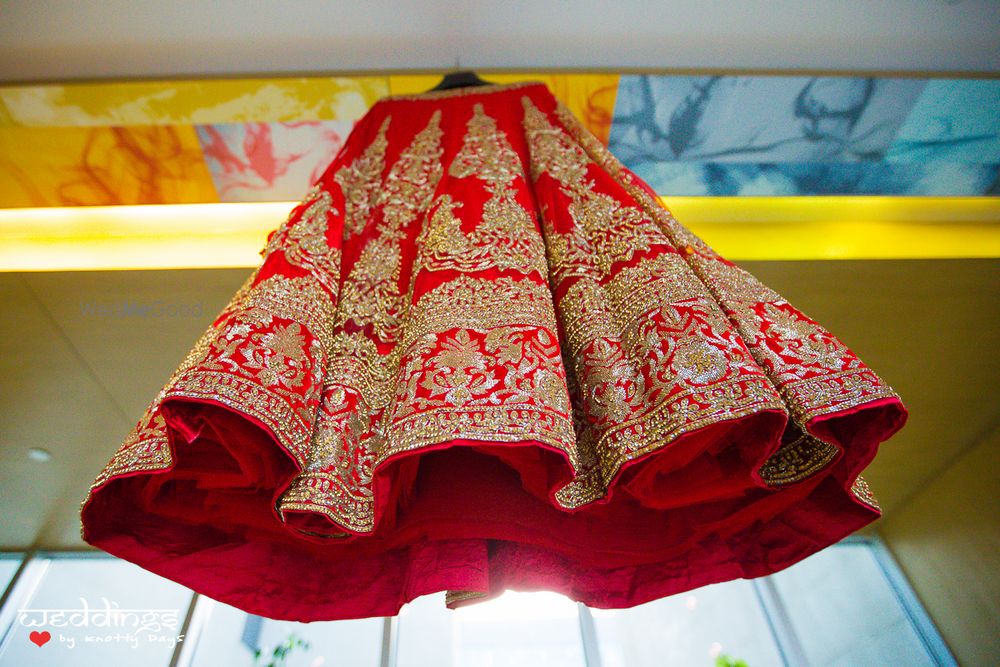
(39, 638)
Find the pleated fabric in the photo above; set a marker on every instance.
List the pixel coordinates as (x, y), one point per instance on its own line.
(480, 355)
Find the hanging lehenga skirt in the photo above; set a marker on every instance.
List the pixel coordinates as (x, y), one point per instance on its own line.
(480, 355)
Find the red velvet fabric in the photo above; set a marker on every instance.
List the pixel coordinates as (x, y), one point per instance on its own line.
(480, 355)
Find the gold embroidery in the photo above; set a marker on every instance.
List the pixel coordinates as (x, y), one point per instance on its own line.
(839, 383)
(506, 236)
(261, 366)
(337, 482)
(592, 310)
(302, 239)
(482, 302)
(360, 183)
(587, 486)
(653, 355)
(452, 598)
(604, 231)
(464, 302)
(410, 185)
(300, 300)
(503, 384)
(863, 492)
(144, 450)
(799, 459)
(478, 359)
(486, 154)
(814, 371)
(514, 327)
(371, 294)
(212, 371)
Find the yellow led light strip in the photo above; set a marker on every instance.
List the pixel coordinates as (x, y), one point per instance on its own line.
(843, 227)
(191, 236)
(170, 236)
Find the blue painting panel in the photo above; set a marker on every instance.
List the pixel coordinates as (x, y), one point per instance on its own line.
(954, 119)
(758, 119)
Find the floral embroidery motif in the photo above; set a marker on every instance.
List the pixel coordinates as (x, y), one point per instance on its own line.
(481, 382)
(261, 356)
(360, 183)
(506, 236)
(302, 239)
(338, 480)
(478, 360)
(266, 358)
(371, 294)
(603, 231)
(145, 449)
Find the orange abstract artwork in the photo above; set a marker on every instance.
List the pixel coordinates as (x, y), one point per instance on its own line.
(94, 166)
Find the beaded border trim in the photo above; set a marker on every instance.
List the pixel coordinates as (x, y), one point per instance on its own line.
(461, 92)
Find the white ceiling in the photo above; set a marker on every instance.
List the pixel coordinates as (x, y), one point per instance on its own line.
(76, 39)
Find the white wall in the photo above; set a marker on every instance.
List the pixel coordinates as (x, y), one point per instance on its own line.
(947, 540)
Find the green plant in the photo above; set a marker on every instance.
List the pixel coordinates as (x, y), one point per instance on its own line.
(726, 661)
(280, 653)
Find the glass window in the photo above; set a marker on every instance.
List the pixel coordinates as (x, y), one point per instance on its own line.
(845, 612)
(842, 607)
(9, 562)
(93, 612)
(688, 629)
(514, 630)
(229, 637)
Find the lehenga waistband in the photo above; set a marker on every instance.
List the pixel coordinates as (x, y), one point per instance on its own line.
(461, 92)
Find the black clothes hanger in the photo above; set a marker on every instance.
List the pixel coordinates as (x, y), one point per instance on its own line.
(459, 79)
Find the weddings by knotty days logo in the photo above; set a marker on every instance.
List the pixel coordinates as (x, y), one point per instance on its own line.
(109, 624)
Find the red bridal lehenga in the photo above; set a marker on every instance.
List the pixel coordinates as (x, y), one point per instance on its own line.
(481, 355)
